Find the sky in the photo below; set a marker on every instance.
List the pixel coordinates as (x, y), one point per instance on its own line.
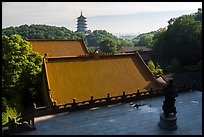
(114, 17)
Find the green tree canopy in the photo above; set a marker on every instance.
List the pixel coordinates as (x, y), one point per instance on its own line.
(156, 70)
(182, 40)
(108, 46)
(21, 68)
(94, 39)
(38, 31)
(145, 39)
(104, 39)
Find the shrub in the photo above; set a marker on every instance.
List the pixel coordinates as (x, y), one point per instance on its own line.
(156, 70)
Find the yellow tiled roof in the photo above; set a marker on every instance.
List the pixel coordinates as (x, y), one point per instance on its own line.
(55, 48)
(83, 77)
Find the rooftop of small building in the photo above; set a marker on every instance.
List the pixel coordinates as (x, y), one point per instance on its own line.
(55, 48)
(125, 119)
(136, 48)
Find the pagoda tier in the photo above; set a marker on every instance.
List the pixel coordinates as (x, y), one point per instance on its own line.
(81, 23)
(81, 27)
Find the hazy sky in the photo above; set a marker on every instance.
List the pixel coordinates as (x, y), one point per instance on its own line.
(114, 17)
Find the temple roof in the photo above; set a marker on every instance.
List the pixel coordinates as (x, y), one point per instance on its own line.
(97, 75)
(59, 47)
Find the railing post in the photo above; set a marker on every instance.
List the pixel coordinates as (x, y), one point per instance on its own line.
(184, 87)
(91, 101)
(55, 105)
(108, 100)
(74, 105)
(12, 124)
(151, 91)
(138, 93)
(33, 116)
(123, 96)
(194, 85)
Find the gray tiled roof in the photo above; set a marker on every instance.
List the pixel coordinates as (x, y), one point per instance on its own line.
(124, 119)
(136, 48)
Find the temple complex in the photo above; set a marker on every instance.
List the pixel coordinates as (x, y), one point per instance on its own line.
(118, 92)
(81, 24)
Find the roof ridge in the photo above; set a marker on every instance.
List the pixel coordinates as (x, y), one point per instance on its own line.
(55, 39)
(91, 55)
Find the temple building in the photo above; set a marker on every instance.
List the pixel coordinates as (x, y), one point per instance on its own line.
(81, 24)
(144, 51)
(66, 78)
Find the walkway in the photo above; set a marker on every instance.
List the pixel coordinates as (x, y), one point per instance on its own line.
(124, 119)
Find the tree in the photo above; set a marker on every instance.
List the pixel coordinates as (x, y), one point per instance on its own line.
(181, 40)
(37, 31)
(91, 49)
(93, 39)
(108, 46)
(145, 40)
(151, 65)
(174, 66)
(21, 68)
(158, 42)
(198, 15)
(97, 36)
(156, 70)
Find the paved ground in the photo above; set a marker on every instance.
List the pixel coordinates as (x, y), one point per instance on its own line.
(124, 119)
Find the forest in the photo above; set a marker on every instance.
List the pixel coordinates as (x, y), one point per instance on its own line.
(97, 38)
(179, 44)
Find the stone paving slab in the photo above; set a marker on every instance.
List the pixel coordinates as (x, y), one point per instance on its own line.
(124, 119)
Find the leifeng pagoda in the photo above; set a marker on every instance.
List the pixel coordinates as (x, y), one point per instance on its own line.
(81, 24)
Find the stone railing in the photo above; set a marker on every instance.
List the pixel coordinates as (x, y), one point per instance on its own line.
(185, 86)
(74, 105)
(125, 97)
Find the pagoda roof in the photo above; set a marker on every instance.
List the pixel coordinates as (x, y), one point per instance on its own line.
(84, 27)
(96, 75)
(59, 47)
(81, 23)
(81, 17)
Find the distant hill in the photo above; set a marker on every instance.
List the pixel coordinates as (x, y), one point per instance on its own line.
(144, 39)
(144, 34)
(37, 31)
(129, 37)
(102, 39)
